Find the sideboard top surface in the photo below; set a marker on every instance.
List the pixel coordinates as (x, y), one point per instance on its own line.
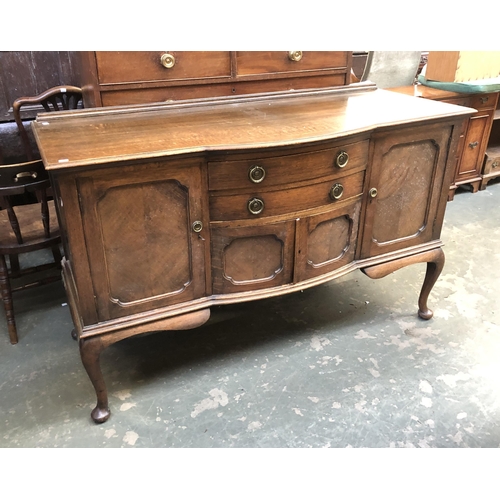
(99, 136)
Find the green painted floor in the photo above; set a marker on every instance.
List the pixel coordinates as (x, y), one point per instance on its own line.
(345, 364)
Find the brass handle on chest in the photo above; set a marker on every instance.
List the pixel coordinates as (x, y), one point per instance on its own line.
(167, 60)
(256, 174)
(295, 55)
(473, 145)
(495, 164)
(337, 191)
(20, 175)
(255, 206)
(484, 99)
(342, 159)
(373, 192)
(197, 226)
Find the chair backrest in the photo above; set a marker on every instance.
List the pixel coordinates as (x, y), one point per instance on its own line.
(391, 68)
(59, 98)
(25, 178)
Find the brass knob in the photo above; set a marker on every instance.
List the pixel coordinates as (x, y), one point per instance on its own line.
(495, 164)
(342, 159)
(255, 206)
(167, 60)
(197, 226)
(337, 191)
(484, 99)
(256, 174)
(295, 55)
(473, 145)
(373, 192)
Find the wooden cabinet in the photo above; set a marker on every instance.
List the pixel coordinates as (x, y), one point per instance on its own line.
(117, 78)
(475, 133)
(491, 167)
(169, 209)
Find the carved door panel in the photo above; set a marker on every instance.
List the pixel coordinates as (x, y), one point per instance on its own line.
(327, 241)
(405, 204)
(252, 257)
(138, 224)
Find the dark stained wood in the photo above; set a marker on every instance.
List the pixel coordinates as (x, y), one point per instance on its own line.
(28, 73)
(58, 98)
(25, 228)
(158, 199)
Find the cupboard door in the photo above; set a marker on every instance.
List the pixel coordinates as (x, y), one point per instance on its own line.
(252, 257)
(474, 147)
(407, 196)
(142, 249)
(327, 241)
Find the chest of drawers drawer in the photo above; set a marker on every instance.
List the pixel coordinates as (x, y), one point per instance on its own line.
(287, 200)
(259, 62)
(278, 170)
(133, 67)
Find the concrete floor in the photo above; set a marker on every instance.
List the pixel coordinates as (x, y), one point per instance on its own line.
(345, 364)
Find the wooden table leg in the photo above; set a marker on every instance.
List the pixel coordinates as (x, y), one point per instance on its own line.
(92, 346)
(90, 352)
(434, 268)
(435, 263)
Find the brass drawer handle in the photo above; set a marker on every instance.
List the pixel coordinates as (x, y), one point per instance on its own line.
(20, 175)
(295, 55)
(342, 159)
(373, 192)
(337, 191)
(256, 174)
(255, 206)
(473, 145)
(197, 226)
(484, 99)
(495, 164)
(167, 60)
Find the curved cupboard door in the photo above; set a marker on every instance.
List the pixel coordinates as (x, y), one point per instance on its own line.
(406, 192)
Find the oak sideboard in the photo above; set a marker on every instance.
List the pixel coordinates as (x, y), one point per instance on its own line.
(168, 209)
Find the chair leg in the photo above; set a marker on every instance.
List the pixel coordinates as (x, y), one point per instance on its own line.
(7, 300)
(14, 264)
(56, 252)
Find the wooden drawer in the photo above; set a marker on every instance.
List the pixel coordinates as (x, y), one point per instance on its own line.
(283, 201)
(279, 170)
(133, 67)
(459, 101)
(492, 162)
(483, 101)
(259, 62)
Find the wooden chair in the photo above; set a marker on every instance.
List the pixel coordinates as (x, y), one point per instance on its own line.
(54, 99)
(24, 228)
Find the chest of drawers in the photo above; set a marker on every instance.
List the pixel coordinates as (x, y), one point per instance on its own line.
(169, 209)
(118, 78)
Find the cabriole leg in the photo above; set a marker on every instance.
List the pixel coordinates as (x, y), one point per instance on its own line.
(434, 269)
(90, 352)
